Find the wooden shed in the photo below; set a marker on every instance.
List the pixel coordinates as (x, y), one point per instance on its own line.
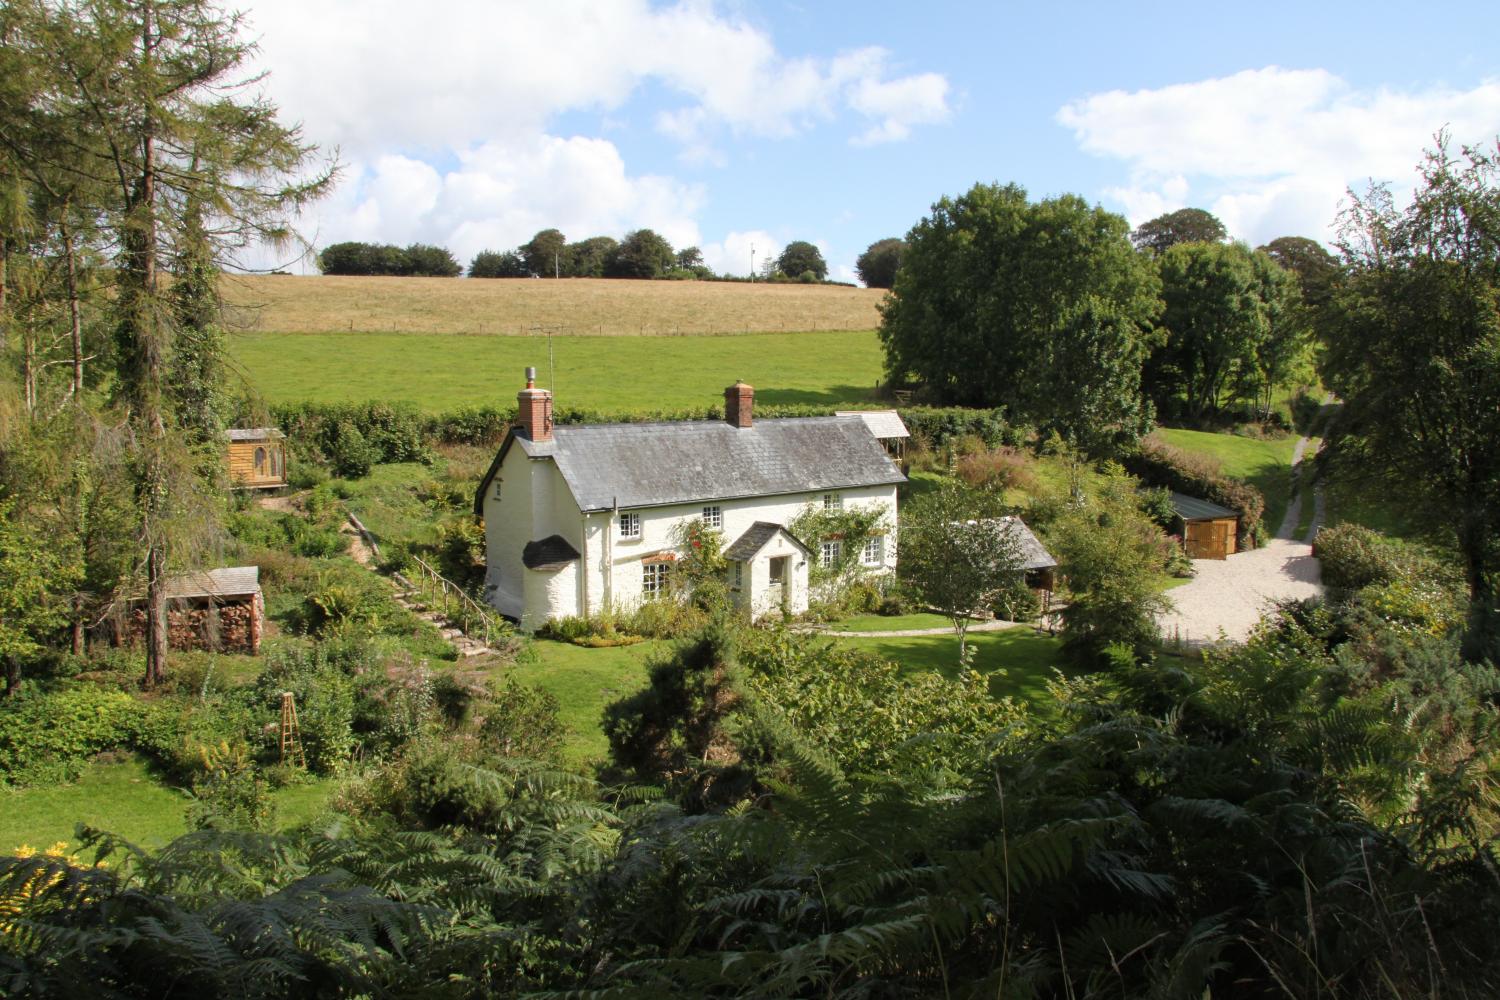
(1208, 530)
(221, 610)
(257, 458)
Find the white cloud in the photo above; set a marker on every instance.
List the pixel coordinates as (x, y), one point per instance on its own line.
(445, 122)
(1271, 151)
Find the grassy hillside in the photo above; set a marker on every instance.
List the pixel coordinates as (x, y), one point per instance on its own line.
(439, 372)
(1265, 463)
(292, 304)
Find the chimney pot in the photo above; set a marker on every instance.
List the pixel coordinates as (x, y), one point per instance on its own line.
(534, 410)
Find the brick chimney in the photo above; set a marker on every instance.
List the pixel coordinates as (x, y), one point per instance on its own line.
(534, 410)
(739, 402)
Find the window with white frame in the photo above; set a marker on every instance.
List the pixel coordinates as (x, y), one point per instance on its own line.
(630, 526)
(655, 577)
(497, 487)
(713, 517)
(874, 551)
(831, 552)
(739, 575)
(832, 501)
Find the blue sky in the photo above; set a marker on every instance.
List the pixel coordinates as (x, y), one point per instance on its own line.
(731, 124)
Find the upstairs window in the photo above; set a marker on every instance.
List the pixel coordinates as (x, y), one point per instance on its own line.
(832, 501)
(831, 552)
(630, 526)
(874, 551)
(713, 517)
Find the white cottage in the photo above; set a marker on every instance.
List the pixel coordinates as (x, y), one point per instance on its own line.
(581, 518)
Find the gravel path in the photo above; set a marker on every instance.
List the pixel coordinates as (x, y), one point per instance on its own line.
(1227, 597)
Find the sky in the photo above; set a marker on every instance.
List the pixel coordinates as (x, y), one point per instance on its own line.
(731, 126)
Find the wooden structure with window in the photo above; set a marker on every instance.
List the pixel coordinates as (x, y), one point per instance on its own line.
(1208, 530)
(257, 458)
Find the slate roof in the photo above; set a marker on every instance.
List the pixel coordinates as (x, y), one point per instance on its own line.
(1034, 554)
(548, 555)
(756, 538)
(1192, 509)
(234, 581)
(253, 433)
(655, 464)
(882, 423)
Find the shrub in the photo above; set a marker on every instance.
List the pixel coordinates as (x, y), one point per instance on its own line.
(48, 737)
(521, 720)
(350, 454)
(324, 697)
(1353, 557)
(1001, 468)
(229, 793)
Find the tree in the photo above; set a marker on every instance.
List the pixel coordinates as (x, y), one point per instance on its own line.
(1318, 272)
(1043, 309)
(36, 579)
(151, 83)
(489, 264)
(690, 258)
(426, 260)
(642, 254)
(877, 266)
(1215, 319)
(587, 258)
(543, 253)
(1186, 225)
(960, 553)
(800, 257)
(1412, 347)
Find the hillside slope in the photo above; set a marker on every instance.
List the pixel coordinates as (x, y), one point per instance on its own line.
(323, 304)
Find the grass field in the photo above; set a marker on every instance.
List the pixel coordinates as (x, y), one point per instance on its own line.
(125, 798)
(291, 304)
(438, 372)
(1265, 463)
(584, 681)
(1017, 661)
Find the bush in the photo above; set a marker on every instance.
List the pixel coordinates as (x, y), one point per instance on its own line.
(48, 737)
(521, 720)
(350, 454)
(1354, 557)
(229, 793)
(1001, 468)
(324, 697)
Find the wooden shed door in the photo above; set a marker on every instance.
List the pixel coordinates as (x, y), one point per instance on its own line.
(1208, 539)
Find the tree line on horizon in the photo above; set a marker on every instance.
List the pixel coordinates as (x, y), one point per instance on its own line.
(642, 254)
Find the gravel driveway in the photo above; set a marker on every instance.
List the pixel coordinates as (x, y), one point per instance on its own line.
(1227, 597)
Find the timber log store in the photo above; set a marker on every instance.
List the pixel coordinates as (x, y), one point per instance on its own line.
(257, 457)
(221, 610)
(1208, 530)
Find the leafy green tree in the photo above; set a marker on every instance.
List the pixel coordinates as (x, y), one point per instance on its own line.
(1215, 320)
(1412, 347)
(588, 258)
(37, 577)
(642, 254)
(1041, 308)
(961, 554)
(690, 258)
(543, 253)
(800, 257)
(489, 264)
(426, 260)
(1186, 225)
(877, 266)
(353, 258)
(1318, 272)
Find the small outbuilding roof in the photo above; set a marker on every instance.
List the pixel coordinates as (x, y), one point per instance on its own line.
(882, 423)
(656, 464)
(1192, 509)
(756, 538)
(548, 555)
(232, 581)
(1034, 554)
(253, 434)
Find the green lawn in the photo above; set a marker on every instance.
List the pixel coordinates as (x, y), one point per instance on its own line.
(1265, 463)
(125, 798)
(1018, 661)
(441, 372)
(584, 681)
(891, 623)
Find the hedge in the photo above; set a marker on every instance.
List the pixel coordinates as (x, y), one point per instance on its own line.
(48, 737)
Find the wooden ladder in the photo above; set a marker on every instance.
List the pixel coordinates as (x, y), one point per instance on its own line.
(291, 732)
